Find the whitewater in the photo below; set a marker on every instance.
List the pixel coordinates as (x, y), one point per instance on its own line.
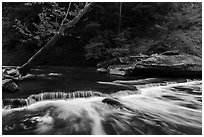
(157, 108)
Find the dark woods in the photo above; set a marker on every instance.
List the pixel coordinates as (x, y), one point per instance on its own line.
(107, 31)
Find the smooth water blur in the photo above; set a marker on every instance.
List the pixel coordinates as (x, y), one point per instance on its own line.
(142, 106)
(70, 79)
(66, 79)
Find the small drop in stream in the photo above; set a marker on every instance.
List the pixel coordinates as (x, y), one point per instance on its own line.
(155, 106)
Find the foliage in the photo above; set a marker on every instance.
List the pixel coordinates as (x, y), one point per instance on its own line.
(36, 22)
(149, 28)
(146, 28)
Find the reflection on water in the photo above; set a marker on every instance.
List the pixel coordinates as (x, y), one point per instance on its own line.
(66, 79)
(162, 108)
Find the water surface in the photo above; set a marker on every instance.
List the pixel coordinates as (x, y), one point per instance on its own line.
(81, 101)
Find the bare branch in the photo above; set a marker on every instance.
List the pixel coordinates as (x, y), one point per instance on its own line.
(66, 14)
(25, 68)
(61, 29)
(80, 14)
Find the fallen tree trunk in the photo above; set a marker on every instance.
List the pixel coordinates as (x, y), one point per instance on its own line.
(25, 68)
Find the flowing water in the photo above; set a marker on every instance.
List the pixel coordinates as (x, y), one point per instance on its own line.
(120, 105)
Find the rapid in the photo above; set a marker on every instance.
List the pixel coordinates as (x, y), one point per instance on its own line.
(151, 107)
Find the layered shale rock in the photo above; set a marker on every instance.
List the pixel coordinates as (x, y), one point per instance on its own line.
(161, 65)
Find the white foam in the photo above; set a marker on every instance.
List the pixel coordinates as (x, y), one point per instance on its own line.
(151, 102)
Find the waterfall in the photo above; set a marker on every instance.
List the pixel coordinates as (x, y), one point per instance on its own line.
(13, 103)
(137, 84)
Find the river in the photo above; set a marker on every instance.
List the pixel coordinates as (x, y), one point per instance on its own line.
(76, 100)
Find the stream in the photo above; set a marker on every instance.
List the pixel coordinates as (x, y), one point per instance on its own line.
(76, 100)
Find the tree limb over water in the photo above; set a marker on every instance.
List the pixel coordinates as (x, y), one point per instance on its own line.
(25, 68)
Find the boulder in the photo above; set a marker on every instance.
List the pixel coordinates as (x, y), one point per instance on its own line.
(8, 85)
(112, 102)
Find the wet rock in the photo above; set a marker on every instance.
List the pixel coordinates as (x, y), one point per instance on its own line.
(118, 71)
(10, 71)
(8, 85)
(14, 103)
(102, 70)
(162, 65)
(112, 102)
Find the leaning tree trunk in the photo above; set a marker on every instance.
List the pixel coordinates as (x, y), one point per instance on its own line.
(25, 68)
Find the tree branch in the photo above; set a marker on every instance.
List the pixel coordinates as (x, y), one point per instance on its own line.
(75, 20)
(25, 68)
(80, 14)
(66, 14)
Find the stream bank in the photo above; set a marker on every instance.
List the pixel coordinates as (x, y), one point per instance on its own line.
(168, 64)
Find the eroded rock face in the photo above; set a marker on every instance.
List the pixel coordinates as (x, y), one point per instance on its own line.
(161, 65)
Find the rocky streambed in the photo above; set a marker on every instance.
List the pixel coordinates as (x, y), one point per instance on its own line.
(168, 64)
